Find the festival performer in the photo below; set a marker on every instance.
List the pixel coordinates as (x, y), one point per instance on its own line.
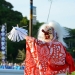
(47, 54)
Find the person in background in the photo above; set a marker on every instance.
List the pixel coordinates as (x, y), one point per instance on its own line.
(10, 66)
(3, 65)
(0, 65)
(18, 66)
(15, 66)
(22, 66)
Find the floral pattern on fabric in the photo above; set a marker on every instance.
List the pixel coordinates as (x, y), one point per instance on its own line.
(40, 54)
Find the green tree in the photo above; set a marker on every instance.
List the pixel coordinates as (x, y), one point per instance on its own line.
(12, 49)
(21, 55)
(8, 15)
(24, 21)
(71, 42)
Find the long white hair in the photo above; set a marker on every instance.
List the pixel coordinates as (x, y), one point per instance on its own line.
(61, 32)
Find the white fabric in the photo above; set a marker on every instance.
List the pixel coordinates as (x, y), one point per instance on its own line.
(61, 74)
(17, 34)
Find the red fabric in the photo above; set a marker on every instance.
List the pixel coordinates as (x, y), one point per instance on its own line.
(58, 67)
(46, 58)
(70, 62)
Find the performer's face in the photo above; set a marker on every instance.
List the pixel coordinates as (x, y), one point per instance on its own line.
(50, 30)
(51, 33)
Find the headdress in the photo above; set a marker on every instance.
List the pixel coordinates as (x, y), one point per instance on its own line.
(59, 32)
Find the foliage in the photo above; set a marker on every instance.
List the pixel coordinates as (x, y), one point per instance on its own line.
(71, 42)
(21, 55)
(8, 15)
(1, 55)
(72, 33)
(24, 21)
(12, 49)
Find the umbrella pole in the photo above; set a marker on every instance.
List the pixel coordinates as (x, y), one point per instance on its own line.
(31, 18)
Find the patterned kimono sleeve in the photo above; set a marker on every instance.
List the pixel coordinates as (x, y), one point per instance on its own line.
(29, 60)
(29, 42)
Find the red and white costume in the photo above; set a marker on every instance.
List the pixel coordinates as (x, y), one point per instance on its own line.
(46, 55)
(44, 58)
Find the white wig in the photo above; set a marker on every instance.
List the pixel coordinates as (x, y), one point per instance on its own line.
(61, 32)
(40, 33)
